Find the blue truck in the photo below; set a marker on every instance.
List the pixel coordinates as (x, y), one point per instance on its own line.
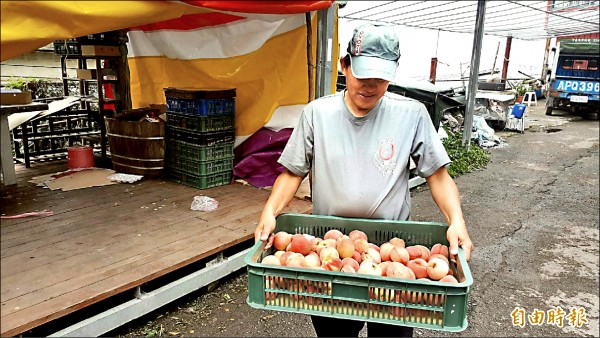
(575, 80)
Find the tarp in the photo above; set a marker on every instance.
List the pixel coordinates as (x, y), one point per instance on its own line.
(257, 47)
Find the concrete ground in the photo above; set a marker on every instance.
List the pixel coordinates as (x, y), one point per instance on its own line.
(533, 214)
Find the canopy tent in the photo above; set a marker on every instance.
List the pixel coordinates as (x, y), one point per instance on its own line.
(257, 47)
(28, 25)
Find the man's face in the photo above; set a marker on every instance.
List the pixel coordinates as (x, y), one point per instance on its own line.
(362, 94)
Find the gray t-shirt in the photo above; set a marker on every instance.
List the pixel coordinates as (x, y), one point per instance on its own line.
(361, 164)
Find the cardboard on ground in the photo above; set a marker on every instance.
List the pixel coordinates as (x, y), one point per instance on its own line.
(92, 177)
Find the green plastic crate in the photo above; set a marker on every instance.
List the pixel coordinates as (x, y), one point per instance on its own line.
(200, 123)
(199, 167)
(200, 181)
(423, 304)
(196, 152)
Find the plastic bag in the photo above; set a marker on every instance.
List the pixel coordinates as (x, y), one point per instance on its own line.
(125, 178)
(204, 203)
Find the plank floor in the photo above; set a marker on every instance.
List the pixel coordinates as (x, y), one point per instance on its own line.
(102, 241)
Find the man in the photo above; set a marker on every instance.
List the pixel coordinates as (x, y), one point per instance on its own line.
(358, 143)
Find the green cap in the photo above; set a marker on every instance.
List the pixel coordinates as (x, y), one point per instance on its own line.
(374, 51)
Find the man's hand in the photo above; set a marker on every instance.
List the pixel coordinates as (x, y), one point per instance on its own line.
(457, 235)
(264, 230)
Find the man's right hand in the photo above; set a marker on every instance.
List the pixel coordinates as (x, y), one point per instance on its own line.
(264, 230)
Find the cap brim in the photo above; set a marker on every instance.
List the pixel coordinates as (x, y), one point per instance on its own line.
(367, 67)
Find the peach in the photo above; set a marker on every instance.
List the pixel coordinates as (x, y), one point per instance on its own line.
(400, 255)
(356, 234)
(296, 288)
(314, 244)
(370, 268)
(312, 260)
(397, 242)
(278, 254)
(414, 252)
(289, 247)
(283, 258)
(372, 255)
(361, 245)
(352, 262)
(411, 274)
(449, 279)
(270, 284)
(384, 250)
(343, 237)
(398, 270)
(332, 242)
(439, 248)
(440, 256)
(332, 263)
(322, 244)
(281, 240)
(384, 265)
(385, 295)
(312, 300)
(297, 235)
(357, 257)
(296, 260)
(425, 253)
(328, 252)
(423, 298)
(437, 268)
(300, 245)
(374, 246)
(271, 259)
(419, 267)
(309, 237)
(348, 268)
(345, 248)
(333, 233)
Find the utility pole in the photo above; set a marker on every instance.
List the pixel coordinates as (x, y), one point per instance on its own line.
(473, 78)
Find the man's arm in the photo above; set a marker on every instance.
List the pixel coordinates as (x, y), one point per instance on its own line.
(285, 187)
(446, 196)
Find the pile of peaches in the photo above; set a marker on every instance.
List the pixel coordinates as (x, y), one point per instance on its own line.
(353, 253)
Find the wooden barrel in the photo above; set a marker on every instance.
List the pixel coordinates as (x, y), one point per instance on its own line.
(136, 147)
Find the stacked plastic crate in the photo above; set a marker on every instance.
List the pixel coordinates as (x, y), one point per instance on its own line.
(200, 136)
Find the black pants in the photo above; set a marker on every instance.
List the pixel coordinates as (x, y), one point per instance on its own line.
(333, 327)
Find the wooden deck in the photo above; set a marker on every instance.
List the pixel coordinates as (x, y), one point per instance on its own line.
(102, 241)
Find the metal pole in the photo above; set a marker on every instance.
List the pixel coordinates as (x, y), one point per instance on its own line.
(309, 59)
(506, 58)
(546, 55)
(473, 78)
(433, 70)
(321, 48)
(324, 50)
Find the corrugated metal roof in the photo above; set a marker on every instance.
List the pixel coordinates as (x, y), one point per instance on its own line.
(526, 20)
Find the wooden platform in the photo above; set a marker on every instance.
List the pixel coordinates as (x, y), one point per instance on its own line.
(102, 241)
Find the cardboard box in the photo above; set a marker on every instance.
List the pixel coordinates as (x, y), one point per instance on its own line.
(98, 50)
(15, 98)
(86, 74)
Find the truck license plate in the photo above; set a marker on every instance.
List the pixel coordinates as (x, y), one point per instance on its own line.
(581, 99)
